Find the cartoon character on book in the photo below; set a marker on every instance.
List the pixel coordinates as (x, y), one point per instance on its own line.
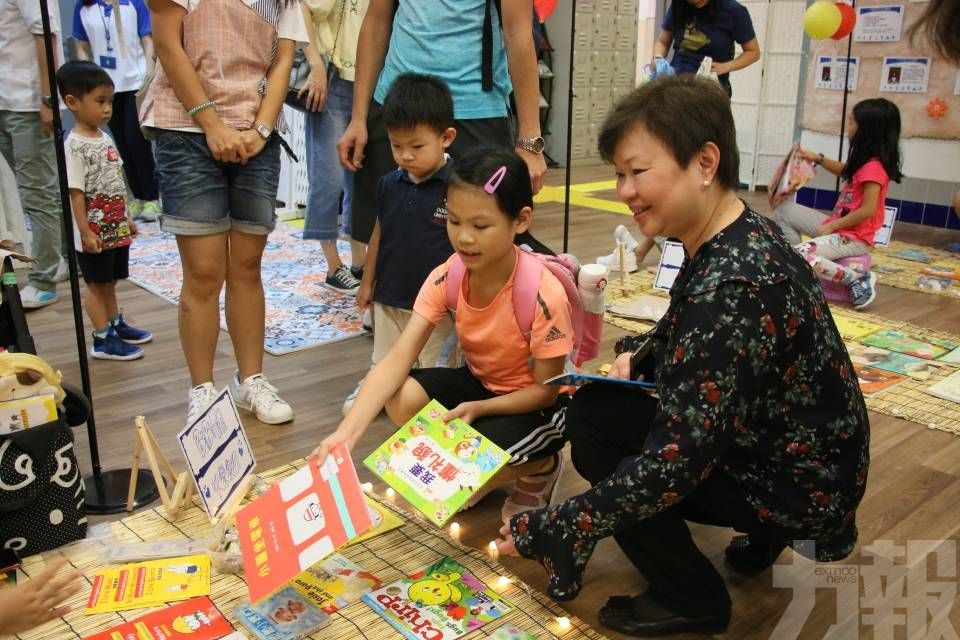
(437, 589)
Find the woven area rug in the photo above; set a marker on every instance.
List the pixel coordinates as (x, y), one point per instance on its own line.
(907, 400)
(914, 275)
(301, 312)
(389, 556)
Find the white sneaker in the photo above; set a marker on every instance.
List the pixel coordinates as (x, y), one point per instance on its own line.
(199, 399)
(63, 272)
(620, 234)
(612, 261)
(259, 397)
(348, 402)
(33, 298)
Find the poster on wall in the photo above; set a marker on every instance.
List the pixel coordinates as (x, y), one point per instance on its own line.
(831, 70)
(879, 24)
(905, 75)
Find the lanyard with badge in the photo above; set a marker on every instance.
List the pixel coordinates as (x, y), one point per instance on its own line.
(108, 61)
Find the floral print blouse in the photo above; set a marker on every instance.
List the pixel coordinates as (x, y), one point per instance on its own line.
(754, 382)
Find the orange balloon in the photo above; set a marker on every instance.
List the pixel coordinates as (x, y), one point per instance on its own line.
(848, 20)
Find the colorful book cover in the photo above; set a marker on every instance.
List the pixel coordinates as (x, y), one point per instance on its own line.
(383, 520)
(16, 415)
(853, 328)
(909, 343)
(441, 602)
(194, 619)
(300, 521)
(286, 615)
(919, 368)
(335, 583)
(913, 255)
(951, 358)
(580, 379)
(436, 467)
(886, 269)
(144, 584)
(948, 388)
(933, 283)
(511, 633)
(876, 380)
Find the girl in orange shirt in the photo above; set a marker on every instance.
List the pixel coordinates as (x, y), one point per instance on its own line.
(499, 392)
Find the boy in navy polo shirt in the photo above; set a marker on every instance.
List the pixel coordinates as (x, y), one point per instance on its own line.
(410, 236)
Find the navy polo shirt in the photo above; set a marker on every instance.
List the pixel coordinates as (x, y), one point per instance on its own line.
(704, 35)
(413, 234)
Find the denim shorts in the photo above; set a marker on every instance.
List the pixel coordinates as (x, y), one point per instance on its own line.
(202, 196)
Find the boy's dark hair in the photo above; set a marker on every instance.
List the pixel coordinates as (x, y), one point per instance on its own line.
(415, 99)
(77, 78)
(877, 136)
(684, 113)
(475, 168)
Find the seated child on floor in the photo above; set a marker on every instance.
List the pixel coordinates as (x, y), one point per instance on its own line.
(500, 391)
(873, 160)
(104, 227)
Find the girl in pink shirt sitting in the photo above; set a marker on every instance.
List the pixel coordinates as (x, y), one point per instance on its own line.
(873, 161)
(500, 391)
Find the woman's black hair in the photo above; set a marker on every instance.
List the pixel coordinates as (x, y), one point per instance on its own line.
(940, 22)
(682, 12)
(877, 136)
(684, 113)
(476, 167)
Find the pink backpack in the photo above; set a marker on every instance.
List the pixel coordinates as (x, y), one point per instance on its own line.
(565, 267)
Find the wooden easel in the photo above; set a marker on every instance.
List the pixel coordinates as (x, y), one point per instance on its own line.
(182, 494)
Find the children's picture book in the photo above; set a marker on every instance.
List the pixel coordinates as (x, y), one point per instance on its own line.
(792, 173)
(286, 615)
(852, 328)
(441, 602)
(145, 584)
(913, 255)
(194, 619)
(952, 358)
(511, 633)
(940, 272)
(436, 467)
(580, 379)
(16, 415)
(918, 368)
(646, 307)
(335, 583)
(876, 380)
(300, 521)
(948, 388)
(886, 269)
(933, 283)
(384, 520)
(909, 343)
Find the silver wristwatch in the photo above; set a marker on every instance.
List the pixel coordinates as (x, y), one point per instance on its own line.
(533, 145)
(263, 130)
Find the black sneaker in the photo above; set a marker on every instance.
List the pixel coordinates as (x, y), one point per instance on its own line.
(863, 290)
(357, 272)
(343, 281)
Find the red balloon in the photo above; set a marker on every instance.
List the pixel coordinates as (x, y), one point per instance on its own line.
(544, 8)
(848, 20)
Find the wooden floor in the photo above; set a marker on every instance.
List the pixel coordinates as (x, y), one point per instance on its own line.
(913, 490)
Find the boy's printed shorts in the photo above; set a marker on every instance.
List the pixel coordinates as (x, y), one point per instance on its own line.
(202, 196)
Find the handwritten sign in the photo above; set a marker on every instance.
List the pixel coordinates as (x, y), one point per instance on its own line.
(671, 259)
(217, 452)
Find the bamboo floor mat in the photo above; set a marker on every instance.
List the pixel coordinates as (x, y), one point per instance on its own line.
(903, 274)
(389, 556)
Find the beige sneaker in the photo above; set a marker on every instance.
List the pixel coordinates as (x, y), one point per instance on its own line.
(533, 492)
(259, 397)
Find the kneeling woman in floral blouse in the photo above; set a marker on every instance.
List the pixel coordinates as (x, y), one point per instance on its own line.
(758, 423)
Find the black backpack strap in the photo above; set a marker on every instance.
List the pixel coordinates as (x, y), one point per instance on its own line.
(486, 53)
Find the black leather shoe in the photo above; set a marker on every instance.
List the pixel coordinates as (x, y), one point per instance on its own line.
(644, 618)
(748, 558)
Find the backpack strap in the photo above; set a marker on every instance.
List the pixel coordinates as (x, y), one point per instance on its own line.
(454, 283)
(526, 289)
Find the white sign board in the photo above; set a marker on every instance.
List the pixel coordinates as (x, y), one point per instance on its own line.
(217, 452)
(879, 24)
(832, 70)
(671, 259)
(905, 75)
(882, 237)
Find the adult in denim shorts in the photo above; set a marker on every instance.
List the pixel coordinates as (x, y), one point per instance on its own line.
(218, 166)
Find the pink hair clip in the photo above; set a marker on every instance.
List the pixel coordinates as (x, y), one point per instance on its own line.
(495, 179)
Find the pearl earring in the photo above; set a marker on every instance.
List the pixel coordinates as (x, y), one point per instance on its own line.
(706, 183)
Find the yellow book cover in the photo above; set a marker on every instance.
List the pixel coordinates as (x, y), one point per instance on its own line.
(852, 329)
(383, 520)
(335, 583)
(143, 584)
(24, 413)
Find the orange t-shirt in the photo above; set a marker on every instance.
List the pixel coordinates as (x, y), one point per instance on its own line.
(492, 343)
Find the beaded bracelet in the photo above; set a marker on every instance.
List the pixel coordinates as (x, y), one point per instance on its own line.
(200, 107)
